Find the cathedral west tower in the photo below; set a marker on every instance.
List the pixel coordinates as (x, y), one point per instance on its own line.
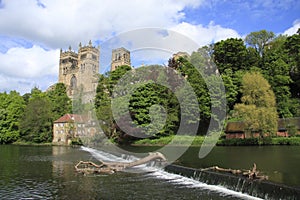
(79, 71)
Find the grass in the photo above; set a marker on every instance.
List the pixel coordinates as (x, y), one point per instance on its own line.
(32, 143)
(198, 140)
(172, 140)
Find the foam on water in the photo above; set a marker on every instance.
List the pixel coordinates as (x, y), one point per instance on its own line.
(169, 177)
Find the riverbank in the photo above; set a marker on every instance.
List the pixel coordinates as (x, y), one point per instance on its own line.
(198, 140)
(31, 143)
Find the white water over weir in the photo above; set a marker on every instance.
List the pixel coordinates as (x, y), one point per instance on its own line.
(149, 170)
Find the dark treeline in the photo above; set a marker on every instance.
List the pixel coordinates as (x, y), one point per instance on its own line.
(261, 75)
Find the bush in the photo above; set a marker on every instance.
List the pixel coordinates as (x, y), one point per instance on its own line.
(238, 142)
(260, 141)
(180, 140)
(286, 141)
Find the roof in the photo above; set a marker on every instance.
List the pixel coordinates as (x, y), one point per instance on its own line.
(70, 118)
(235, 127)
(283, 125)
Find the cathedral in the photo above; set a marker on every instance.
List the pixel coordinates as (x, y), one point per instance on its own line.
(79, 71)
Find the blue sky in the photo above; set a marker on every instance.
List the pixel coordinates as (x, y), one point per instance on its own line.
(33, 31)
(247, 16)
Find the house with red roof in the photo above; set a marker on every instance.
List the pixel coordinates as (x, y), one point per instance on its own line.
(68, 127)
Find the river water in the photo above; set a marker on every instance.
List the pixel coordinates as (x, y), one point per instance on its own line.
(47, 172)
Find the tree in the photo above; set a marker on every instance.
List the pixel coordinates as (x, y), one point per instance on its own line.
(230, 54)
(61, 103)
(36, 122)
(258, 107)
(146, 112)
(11, 109)
(259, 40)
(276, 70)
(292, 47)
(193, 72)
(103, 106)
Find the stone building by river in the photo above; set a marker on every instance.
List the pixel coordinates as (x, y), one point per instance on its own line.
(71, 126)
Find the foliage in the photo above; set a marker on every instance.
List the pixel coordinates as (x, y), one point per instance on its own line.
(277, 71)
(292, 47)
(258, 107)
(230, 54)
(194, 74)
(11, 109)
(29, 117)
(36, 122)
(180, 141)
(103, 100)
(149, 105)
(259, 141)
(259, 40)
(61, 103)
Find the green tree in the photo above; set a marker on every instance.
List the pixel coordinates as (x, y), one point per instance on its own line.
(103, 106)
(61, 103)
(276, 70)
(36, 122)
(292, 47)
(259, 40)
(258, 107)
(194, 74)
(145, 112)
(230, 54)
(11, 109)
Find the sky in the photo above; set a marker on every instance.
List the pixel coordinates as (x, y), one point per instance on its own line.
(32, 32)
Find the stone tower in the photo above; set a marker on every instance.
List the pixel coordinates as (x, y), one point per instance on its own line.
(120, 56)
(79, 71)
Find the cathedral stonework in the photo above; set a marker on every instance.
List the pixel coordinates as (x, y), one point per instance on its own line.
(120, 56)
(79, 71)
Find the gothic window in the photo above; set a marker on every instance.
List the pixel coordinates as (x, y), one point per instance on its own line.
(83, 56)
(73, 82)
(94, 68)
(94, 57)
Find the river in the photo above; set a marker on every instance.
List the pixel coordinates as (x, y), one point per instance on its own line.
(47, 172)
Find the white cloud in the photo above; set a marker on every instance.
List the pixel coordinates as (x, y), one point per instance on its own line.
(293, 29)
(53, 24)
(29, 62)
(205, 35)
(60, 23)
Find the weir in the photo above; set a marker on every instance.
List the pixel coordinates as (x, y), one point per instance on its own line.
(256, 188)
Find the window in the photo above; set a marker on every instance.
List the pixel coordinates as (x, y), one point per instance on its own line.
(83, 56)
(94, 57)
(73, 82)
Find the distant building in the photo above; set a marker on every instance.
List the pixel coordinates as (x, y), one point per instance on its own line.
(120, 56)
(72, 126)
(285, 127)
(179, 54)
